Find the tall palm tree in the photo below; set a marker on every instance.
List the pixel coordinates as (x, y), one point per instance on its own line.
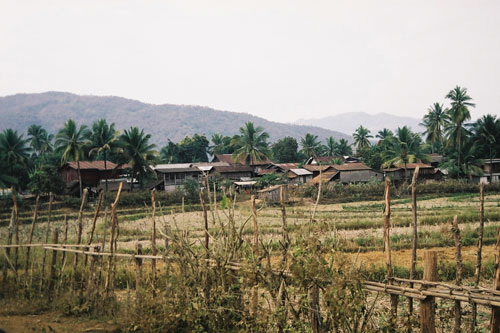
(458, 114)
(406, 147)
(253, 144)
(487, 134)
(344, 148)
(384, 133)
(14, 152)
(361, 138)
(102, 139)
(331, 146)
(435, 121)
(311, 147)
(40, 140)
(139, 153)
(71, 141)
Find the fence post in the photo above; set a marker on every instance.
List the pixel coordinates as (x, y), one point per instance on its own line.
(387, 250)
(255, 295)
(42, 275)
(52, 277)
(495, 311)
(479, 253)
(153, 239)
(138, 264)
(94, 221)
(79, 236)
(458, 245)
(30, 239)
(427, 306)
(414, 240)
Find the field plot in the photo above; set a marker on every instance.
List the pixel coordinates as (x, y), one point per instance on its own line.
(262, 267)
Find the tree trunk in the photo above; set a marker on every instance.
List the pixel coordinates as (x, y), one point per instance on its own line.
(79, 178)
(105, 173)
(491, 167)
(459, 148)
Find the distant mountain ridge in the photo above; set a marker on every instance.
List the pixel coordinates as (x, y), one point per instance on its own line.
(348, 122)
(163, 122)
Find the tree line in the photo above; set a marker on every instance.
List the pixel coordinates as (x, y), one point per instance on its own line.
(32, 163)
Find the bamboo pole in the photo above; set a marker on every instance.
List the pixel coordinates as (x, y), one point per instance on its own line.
(153, 239)
(52, 277)
(10, 231)
(16, 218)
(94, 220)
(104, 228)
(477, 274)
(495, 311)
(387, 250)
(414, 240)
(281, 298)
(427, 306)
(255, 298)
(318, 196)
(42, 276)
(79, 235)
(205, 219)
(112, 244)
(458, 256)
(138, 264)
(30, 239)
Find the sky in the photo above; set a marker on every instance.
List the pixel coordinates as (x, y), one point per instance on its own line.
(281, 60)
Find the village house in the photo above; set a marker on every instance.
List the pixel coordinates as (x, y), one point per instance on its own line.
(426, 171)
(357, 173)
(315, 169)
(273, 193)
(257, 166)
(328, 176)
(92, 173)
(491, 169)
(299, 176)
(172, 176)
(329, 160)
(278, 168)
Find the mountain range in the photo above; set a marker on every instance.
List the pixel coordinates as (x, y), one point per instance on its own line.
(164, 122)
(349, 122)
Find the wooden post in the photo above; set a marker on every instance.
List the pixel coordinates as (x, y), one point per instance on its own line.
(414, 240)
(314, 311)
(183, 204)
(205, 219)
(495, 311)
(477, 274)
(16, 219)
(79, 236)
(114, 221)
(153, 239)
(94, 221)
(42, 276)
(458, 256)
(281, 297)
(52, 277)
(318, 196)
(65, 240)
(104, 229)
(255, 299)
(92, 283)
(138, 264)
(427, 306)
(10, 231)
(30, 238)
(387, 250)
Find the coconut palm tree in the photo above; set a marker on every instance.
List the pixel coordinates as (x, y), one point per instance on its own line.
(311, 147)
(40, 140)
(434, 122)
(253, 144)
(331, 146)
(487, 136)
(344, 148)
(71, 141)
(361, 138)
(103, 138)
(384, 133)
(14, 152)
(406, 147)
(139, 153)
(458, 114)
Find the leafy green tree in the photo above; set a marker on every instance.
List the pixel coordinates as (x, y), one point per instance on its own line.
(253, 144)
(361, 138)
(435, 121)
(458, 114)
(40, 140)
(193, 149)
(470, 162)
(384, 133)
(139, 153)
(487, 137)
(331, 146)
(14, 151)
(170, 153)
(221, 145)
(45, 179)
(71, 141)
(286, 150)
(311, 147)
(103, 138)
(405, 148)
(344, 148)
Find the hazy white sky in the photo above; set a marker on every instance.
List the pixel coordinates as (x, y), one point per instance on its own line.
(281, 60)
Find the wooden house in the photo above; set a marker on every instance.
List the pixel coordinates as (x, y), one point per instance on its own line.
(426, 171)
(315, 169)
(272, 194)
(175, 175)
(299, 176)
(256, 165)
(92, 173)
(326, 177)
(357, 173)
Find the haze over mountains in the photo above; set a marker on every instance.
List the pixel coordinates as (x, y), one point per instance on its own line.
(348, 122)
(163, 122)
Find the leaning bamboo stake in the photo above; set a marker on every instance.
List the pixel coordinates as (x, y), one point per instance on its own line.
(10, 231)
(79, 236)
(458, 256)
(495, 311)
(414, 240)
(16, 223)
(104, 229)
(30, 238)
(114, 221)
(281, 298)
(387, 249)
(138, 264)
(94, 220)
(427, 306)
(153, 238)
(205, 219)
(477, 274)
(42, 276)
(52, 277)
(255, 299)
(318, 196)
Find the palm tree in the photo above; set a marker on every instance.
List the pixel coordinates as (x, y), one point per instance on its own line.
(103, 138)
(253, 144)
(487, 134)
(40, 140)
(435, 121)
(361, 136)
(218, 144)
(471, 163)
(139, 153)
(385, 133)
(311, 147)
(403, 149)
(344, 148)
(71, 141)
(14, 152)
(458, 114)
(331, 146)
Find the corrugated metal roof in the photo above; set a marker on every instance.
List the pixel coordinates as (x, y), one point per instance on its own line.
(271, 188)
(286, 166)
(233, 168)
(301, 172)
(325, 177)
(351, 167)
(315, 167)
(173, 166)
(96, 165)
(414, 165)
(228, 158)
